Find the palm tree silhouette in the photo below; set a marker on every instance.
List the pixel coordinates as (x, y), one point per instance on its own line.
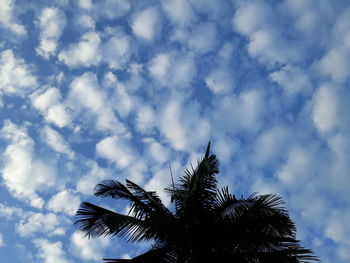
(208, 225)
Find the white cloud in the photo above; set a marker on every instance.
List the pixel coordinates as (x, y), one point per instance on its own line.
(51, 23)
(249, 104)
(23, 173)
(88, 249)
(251, 16)
(58, 114)
(48, 102)
(263, 185)
(145, 119)
(173, 70)
(338, 228)
(85, 21)
(293, 80)
(298, 168)
(62, 2)
(49, 97)
(137, 171)
(7, 17)
(341, 28)
(179, 12)
(84, 53)
(343, 253)
(339, 160)
(270, 145)
(267, 41)
(226, 51)
(319, 208)
(270, 47)
(157, 152)
(112, 9)
(10, 212)
(50, 252)
(86, 94)
(335, 64)
(220, 80)
(183, 126)
(86, 91)
(116, 149)
(116, 51)
(161, 178)
(159, 66)
(50, 224)
(203, 38)
(225, 148)
(146, 24)
(309, 17)
(87, 182)
(85, 4)
(172, 126)
(2, 242)
(64, 201)
(212, 10)
(56, 141)
(325, 113)
(16, 77)
(121, 101)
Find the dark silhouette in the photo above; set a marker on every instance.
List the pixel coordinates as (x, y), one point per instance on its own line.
(208, 225)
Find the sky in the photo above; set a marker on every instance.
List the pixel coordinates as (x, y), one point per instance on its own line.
(116, 89)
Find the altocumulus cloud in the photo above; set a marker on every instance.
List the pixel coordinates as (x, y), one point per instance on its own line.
(115, 89)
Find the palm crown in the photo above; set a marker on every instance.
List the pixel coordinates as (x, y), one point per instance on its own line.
(208, 225)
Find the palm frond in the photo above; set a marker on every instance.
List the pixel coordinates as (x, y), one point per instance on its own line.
(223, 199)
(291, 253)
(197, 188)
(143, 203)
(261, 205)
(113, 189)
(257, 221)
(150, 198)
(96, 221)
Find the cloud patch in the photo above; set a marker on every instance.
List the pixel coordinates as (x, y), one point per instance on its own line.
(87, 98)
(49, 103)
(117, 150)
(16, 76)
(33, 223)
(50, 252)
(65, 201)
(51, 23)
(24, 174)
(88, 249)
(7, 17)
(2, 242)
(173, 70)
(146, 24)
(84, 53)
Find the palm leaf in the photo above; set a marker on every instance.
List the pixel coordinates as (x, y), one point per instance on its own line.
(150, 198)
(96, 221)
(197, 188)
(143, 203)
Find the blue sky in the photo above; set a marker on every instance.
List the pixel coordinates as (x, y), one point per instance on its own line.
(115, 89)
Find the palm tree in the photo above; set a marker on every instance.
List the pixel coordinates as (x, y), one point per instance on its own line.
(208, 225)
